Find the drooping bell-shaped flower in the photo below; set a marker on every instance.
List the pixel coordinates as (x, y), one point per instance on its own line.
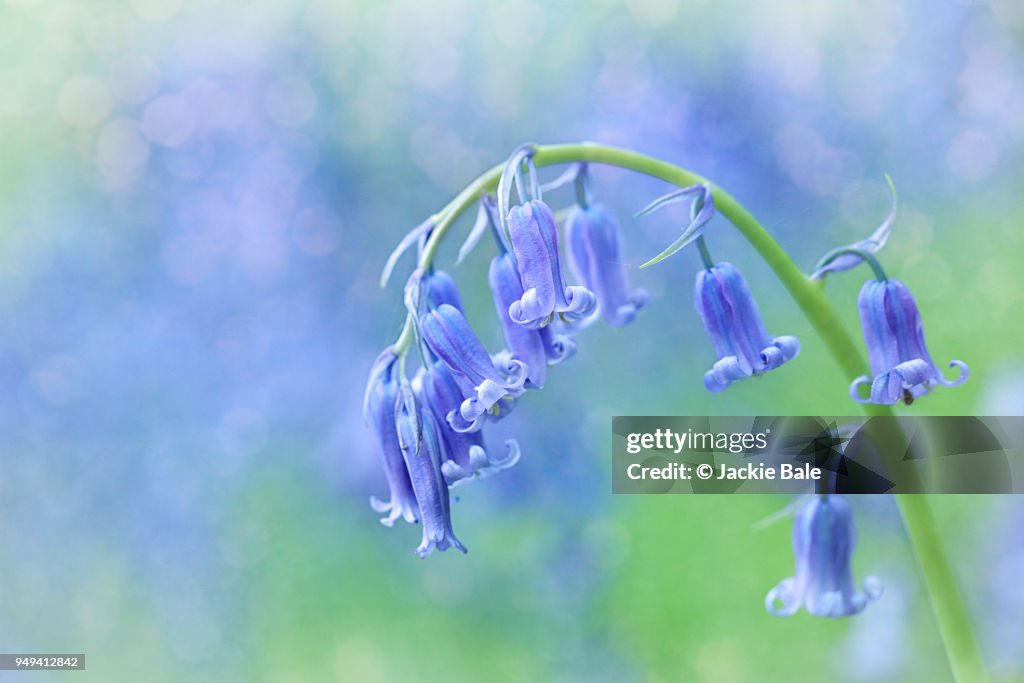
(537, 348)
(465, 454)
(823, 541)
(897, 354)
(379, 411)
(734, 324)
(593, 235)
(522, 343)
(420, 443)
(449, 337)
(534, 240)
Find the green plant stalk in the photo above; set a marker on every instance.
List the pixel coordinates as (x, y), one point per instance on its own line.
(947, 602)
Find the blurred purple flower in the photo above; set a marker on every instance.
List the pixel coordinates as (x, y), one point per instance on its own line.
(823, 541)
(593, 235)
(734, 324)
(421, 448)
(899, 359)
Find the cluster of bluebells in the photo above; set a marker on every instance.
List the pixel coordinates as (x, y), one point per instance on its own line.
(430, 428)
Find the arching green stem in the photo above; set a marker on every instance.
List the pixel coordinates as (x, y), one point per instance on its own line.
(947, 602)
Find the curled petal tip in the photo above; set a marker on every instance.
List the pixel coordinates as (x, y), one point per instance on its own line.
(855, 389)
(461, 425)
(783, 600)
(512, 455)
(580, 302)
(965, 373)
(454, 473)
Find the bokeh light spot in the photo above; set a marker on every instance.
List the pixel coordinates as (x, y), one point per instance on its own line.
(121, 151)
(83, 102)
(168, 120)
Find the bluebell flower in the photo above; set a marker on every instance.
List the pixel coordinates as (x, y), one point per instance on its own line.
(449, 337)
(464, 453)
(534, 240)
(428, 292)
(537, 348)
(419, 440)
(897, 354)
(379, 410)
(823, 541)
(593, 235)
(734, 324)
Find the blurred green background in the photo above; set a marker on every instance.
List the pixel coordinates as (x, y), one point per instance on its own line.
(195, 202)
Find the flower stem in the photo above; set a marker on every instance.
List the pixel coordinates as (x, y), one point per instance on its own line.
(705, 255)
(947, 602)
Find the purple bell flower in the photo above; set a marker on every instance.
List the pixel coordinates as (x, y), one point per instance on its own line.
(823, 541)
(379, 410)
(734, 324)
(534, 240)
(419, 440)
(537, 348)
(465, 454)
(593, 235)
(897, 354)
(449, 337)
